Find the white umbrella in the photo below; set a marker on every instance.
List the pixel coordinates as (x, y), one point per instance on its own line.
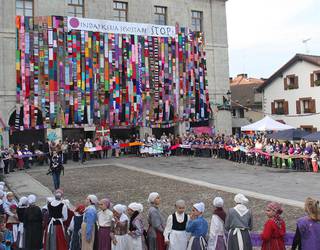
(266, 124)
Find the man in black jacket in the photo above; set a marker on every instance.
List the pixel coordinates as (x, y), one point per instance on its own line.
(55, 169)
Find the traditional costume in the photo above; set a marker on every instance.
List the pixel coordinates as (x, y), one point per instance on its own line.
(156, 225)
(274, 230)
(104, 223)
(75, 228)
(238, 224)
(217, 235)
(308, 228)
(58, 213)
(119, 229)
(32, 221)
(136, 237)
(88, 227)
(22, 206)
(198, 229)
(175, 231)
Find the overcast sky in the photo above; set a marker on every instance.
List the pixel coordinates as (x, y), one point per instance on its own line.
(265, 34)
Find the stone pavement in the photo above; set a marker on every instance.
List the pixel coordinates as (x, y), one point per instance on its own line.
(281, 183)
(22, 184)
(287, 187)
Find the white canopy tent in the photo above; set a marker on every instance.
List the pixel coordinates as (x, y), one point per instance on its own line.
(266, 124)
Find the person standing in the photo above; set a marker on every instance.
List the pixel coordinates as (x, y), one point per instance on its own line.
(58, 213)
(119, 228)
(6, 160)
(238, 224)
(308, 227)
(217, 237)
(136, 227)
(88, 227)
(32, 220)
(156, 223)
(198, 227)
(75, 228)
(274, 229)
(55, 169)
(22, 206)
(175, 235)
(104, 223)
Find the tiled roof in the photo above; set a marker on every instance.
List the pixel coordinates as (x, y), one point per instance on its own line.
(313, 59)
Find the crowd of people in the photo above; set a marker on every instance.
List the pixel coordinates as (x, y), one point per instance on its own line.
(299, 155)
(98, 224)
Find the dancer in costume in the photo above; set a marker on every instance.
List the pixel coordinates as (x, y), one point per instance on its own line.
(217, 235)
(175, 235)
(238, 224)
(156, 223)
(198, 227)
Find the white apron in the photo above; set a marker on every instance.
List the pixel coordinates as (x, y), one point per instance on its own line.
(135, 243)
(178, 240)
(122, 242)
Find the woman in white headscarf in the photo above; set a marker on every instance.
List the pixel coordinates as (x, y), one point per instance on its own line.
(136, 227)
(89, 224)
(156, 223)
(119, 228)
(33, 225)
(22, 206)
(238, 224)
(217, 237)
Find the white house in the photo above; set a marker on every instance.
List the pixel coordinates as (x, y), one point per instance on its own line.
(292, 94)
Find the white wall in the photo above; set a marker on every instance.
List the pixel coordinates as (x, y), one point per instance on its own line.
(276, 91)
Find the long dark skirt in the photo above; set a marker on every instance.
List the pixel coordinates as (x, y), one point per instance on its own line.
(104, 238)
(233, 240)
(197, 243)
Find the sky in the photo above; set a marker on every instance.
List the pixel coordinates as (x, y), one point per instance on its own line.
(265, 34)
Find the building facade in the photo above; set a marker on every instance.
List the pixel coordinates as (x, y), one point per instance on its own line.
(246, 101)
(292, 94)
(208, 16)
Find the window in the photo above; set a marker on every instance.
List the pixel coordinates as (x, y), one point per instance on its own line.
(76, 8)
(234, 112)
(279, 105)
(196, 20)
(306, 105)
(315, 78)
(120, 10)
(160, 15)
(291, 82)
(24, 7)
(241, 113)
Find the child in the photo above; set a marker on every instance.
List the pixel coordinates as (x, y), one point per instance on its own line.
(119, 228)
(175, 234)
(104, 222)
(75, 227)
(198, 227)
(13, 223)
(274, 228)
(136, 237)
(217, 236)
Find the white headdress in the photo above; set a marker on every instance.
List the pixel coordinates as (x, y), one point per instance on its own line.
(218, 202)
(241, 199)
(32, 199)
(199, 206)
(152, 197)
(136, 207)
(93, 198)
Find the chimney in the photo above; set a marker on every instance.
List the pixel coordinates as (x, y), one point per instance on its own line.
(244, 75)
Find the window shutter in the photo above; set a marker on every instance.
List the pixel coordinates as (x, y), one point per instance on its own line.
(314, 130)
(273, 108)
(296, 82)
(313, 106)
(298, 107)
(286, 107)
(312, 79)
(285, 82)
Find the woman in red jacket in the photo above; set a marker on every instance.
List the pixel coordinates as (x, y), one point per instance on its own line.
(274, 229)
